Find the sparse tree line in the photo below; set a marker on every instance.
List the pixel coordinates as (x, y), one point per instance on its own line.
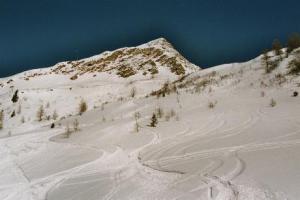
(293, 42)
(40, 115)
(270, 63)
(159, 113)
(41, 111)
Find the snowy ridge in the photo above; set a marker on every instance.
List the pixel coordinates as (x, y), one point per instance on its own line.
(147, 59)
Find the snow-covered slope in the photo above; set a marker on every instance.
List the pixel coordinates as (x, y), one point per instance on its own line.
(230, 132)
(103, 78)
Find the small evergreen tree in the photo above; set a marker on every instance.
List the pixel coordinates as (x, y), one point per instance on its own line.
(13, 114)
(15, 97)
(153, 120)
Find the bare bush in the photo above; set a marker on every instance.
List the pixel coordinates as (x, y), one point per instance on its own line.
(54, 115)
(271, 65)
(19, 109)
(165, 90)
(294, 67)
(272, 103)
(76, 125)
(82, 107)
(280, 79)
(132, 92)
(137, 116)
(126, 71)
(277, 47)
(1, 119)
(263, 84)
(170, 115)
(211, 104)
(22, 119)
(40, 113)
(159, 112)
(68, 131)
(202, 85)
(265, 59)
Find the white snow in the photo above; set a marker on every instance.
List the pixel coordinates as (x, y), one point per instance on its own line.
(242, 149)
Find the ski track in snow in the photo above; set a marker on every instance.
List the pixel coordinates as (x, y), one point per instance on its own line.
(37, 188)
(226, 189)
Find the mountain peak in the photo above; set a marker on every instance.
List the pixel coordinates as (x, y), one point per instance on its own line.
(150, 58)
(159, 42)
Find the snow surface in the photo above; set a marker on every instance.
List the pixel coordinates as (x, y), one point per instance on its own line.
(242, 149)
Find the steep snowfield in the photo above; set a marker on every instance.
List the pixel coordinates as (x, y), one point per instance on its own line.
(217, 135)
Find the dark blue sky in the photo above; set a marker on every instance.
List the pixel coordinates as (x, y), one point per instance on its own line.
(40, 33)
